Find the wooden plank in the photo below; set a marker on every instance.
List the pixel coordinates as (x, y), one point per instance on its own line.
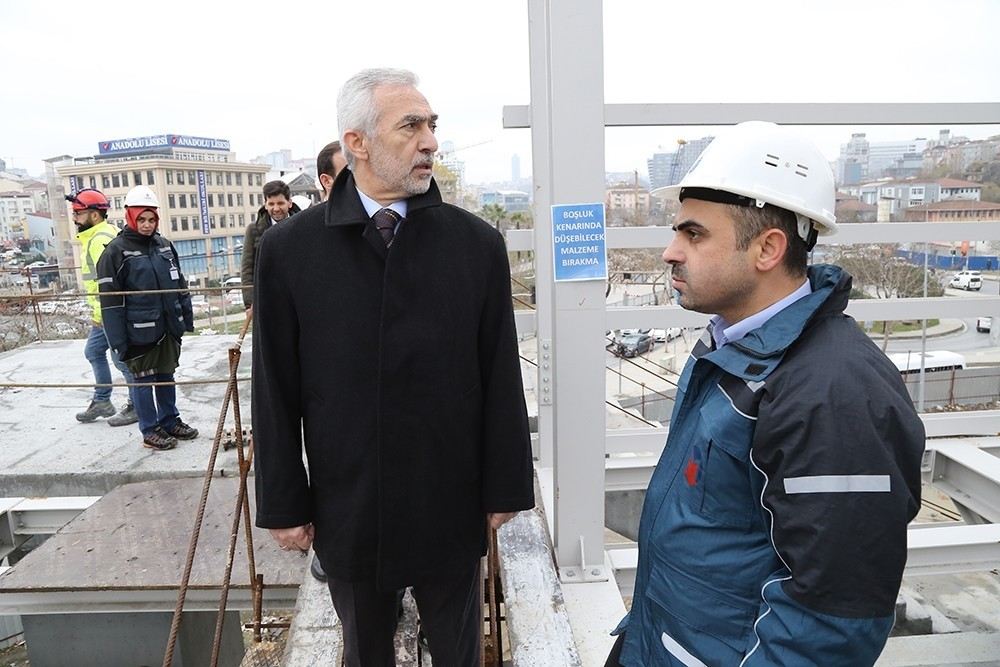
(538, 626)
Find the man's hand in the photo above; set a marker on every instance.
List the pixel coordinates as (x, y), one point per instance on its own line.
(498, 519)
(299, 538)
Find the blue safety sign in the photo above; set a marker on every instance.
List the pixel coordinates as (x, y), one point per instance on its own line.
(578, 247)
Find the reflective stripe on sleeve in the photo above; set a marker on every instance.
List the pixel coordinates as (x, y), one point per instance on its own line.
(105, 281)
(143, 325)
(680, 652)
(838, 484)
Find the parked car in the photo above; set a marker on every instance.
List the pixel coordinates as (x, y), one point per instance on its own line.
(967, 280)
(983, 324)
(665, 335)
(632, 345)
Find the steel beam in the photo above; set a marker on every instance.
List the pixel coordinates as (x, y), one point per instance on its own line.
(952, 549)
(869, 232)
(99, 601)
(967, 474)
(830, 113)
(45, 516)
(568, 154)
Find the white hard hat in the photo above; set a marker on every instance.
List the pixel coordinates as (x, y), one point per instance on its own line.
(768, 164)
(142, 195)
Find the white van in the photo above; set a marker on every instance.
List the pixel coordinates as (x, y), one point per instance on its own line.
(939, 360)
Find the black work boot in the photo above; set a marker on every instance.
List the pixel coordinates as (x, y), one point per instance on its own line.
(125, 416)
(94, 410)
(159, 440)
(182, 431)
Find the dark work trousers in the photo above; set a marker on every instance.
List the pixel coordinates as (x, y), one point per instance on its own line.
(616, 652)
(450, 616)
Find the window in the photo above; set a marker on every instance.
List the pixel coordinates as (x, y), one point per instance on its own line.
(149, 177)
(239, 178)
(125, 179)
(118, 203)
(218, 178)
(137, 177)
(173, 223)
(180, 178)
(232, 220)
(105, 181)
(184, 201)
(212, 221)
(242, 221)
(192, 254)
(229, 179)
(211, 200)
(93, 182)
(258, 180)
(229, 198)
(260, 199)
(184, 223)
(116, 181)
(170, 178)
(239, 199)
(171, 200)
(192, 179)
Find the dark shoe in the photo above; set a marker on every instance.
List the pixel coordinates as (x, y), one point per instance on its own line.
(182, 431)
(94, 410)
(159, 440)
(125, 416)
(317, 570)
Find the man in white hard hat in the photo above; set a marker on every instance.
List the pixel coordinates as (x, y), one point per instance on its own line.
(774, 526)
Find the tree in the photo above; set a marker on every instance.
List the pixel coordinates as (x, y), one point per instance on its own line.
(878, 273)
(495, 213)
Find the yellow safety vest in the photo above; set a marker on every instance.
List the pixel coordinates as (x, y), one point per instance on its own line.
(92, 243)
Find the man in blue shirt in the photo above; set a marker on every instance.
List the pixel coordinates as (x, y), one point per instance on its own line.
(774, 526)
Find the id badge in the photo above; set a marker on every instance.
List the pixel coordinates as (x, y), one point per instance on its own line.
(174, 275)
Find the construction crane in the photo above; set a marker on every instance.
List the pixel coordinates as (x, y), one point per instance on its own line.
(674, 176)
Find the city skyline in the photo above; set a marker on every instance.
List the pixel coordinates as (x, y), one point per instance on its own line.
(241, 83)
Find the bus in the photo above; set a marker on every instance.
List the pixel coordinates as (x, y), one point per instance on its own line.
(939, 360)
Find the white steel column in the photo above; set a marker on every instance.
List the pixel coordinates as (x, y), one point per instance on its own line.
(567, 107)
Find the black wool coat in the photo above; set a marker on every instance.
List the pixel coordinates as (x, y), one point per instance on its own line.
(400, 368)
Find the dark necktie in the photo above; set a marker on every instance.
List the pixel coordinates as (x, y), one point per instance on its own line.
(385, 222)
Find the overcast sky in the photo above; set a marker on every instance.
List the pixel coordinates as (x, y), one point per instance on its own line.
(266, 74)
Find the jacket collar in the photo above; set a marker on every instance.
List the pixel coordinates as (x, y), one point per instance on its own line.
(754, 356)
(344, 207)
(102, 226)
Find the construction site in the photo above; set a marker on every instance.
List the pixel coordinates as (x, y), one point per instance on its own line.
(116, 554)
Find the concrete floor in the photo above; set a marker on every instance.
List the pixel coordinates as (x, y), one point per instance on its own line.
(45, 451)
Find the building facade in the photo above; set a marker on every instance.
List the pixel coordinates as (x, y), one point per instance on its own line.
(14, 209)
(669, 168)
(206, 198)
(627, 198)
(956, 210)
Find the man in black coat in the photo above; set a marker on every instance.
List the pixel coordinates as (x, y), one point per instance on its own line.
(386, 338)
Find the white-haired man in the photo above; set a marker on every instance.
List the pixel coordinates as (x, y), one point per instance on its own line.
(390, 342)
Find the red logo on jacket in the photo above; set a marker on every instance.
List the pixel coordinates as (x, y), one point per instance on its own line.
(693, 470)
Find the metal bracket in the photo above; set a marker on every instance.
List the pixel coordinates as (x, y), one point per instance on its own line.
(545, 388)
(583, 573)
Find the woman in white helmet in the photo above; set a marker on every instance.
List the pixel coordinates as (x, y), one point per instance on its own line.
(145, 328)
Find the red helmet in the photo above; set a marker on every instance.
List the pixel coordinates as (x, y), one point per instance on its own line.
(89, 199)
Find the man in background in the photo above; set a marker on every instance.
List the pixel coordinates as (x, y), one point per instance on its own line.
(329, 162)
(277, 206)
(94, 232)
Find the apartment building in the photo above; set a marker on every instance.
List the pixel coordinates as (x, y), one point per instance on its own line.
(206, 198)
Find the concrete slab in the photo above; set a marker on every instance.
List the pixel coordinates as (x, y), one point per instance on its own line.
(46, 452)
